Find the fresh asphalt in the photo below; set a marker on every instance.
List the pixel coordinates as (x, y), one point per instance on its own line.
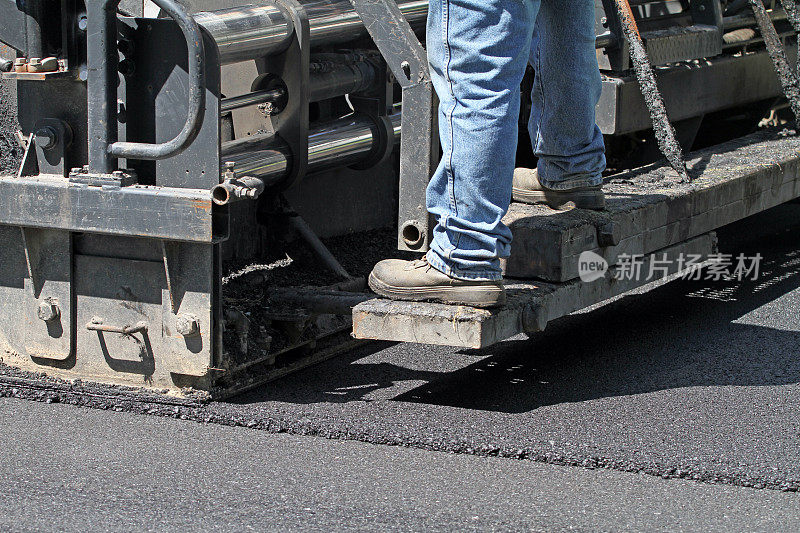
(675, 409)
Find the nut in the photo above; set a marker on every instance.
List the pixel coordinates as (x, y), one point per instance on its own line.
(35, 64)
(46, 137)
(20, 65)
(48, 310)
(187, 325)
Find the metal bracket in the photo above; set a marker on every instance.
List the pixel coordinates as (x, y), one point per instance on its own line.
(118, 178)
(51, 139)
(419, 146)
(293, 68)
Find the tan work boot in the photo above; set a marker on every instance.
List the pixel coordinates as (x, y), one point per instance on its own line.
(528, 189)
(419, 281)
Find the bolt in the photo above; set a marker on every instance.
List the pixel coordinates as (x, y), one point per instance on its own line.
(83, 23)
(46, 137)
(20, 65)
(48, 310)
(533, 318)
(608, 234)
(229, 173)
(406, 69)
(126, 67)
(187, 325)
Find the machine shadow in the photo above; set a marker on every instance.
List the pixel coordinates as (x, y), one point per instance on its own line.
(661, 341)
(682, 334)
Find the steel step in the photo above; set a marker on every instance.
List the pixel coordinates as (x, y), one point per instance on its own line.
(530, 306)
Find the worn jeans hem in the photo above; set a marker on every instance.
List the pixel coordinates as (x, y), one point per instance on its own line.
(467, 275)
(571, 183)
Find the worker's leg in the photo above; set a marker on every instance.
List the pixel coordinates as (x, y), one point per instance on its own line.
(566, 90)
(478, 51)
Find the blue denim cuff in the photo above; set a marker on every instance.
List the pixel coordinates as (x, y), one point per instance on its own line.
(467, 275)
(571, 182)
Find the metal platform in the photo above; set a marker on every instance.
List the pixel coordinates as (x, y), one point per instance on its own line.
(649, 214)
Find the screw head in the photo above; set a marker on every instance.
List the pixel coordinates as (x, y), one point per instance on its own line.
(46, 137)
(48, 310)
(187, 325)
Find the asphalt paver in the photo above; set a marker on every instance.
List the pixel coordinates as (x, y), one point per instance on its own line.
(695, 379)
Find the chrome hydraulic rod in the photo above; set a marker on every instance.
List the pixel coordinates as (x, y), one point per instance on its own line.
(251, 32)
(343, 142)
(257, 97)
(335, 79)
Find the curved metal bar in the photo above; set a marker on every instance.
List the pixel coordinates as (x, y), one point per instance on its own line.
(197, 94)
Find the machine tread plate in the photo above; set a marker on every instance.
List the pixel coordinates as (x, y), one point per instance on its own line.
(649, 209)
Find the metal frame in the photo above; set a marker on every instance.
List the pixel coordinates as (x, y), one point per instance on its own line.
(419, 147)
(291, 67)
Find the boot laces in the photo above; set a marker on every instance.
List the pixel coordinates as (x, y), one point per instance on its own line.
(421, 263)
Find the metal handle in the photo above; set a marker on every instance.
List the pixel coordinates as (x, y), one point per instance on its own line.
(97, 325)
(197, 94)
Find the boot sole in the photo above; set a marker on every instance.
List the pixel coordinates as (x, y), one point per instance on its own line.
(594, 200)
(473, 296)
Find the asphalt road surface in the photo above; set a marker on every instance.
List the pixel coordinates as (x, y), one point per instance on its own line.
(675, 409)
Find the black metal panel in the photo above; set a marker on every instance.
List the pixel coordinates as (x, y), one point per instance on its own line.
(37, 100)
(12, 25)
(157, 102)
(718, 84)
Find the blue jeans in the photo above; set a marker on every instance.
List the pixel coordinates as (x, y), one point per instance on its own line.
(478, 51)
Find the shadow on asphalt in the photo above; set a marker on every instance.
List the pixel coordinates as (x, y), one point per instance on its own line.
(682, 334)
